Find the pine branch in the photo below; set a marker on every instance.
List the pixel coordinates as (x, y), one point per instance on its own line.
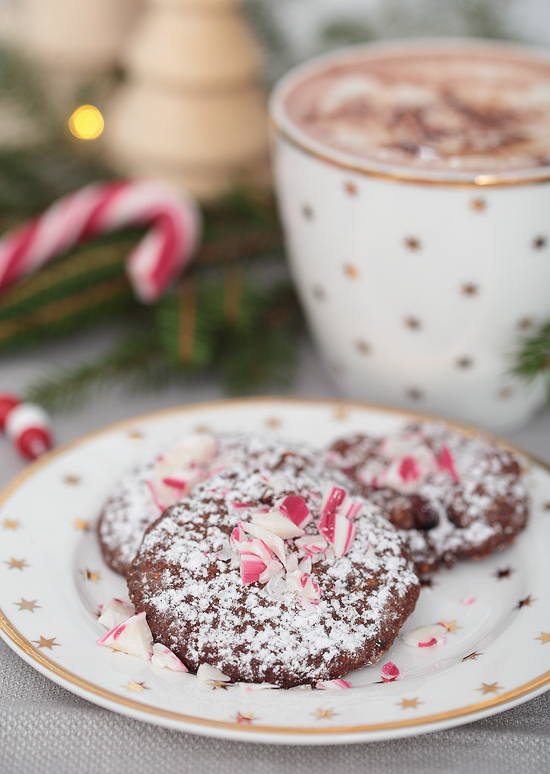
(534, 357)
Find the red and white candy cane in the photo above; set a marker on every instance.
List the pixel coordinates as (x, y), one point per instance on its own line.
(26, 425)
(102, 207)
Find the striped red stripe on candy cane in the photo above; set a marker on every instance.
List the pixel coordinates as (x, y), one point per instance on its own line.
(156, 261)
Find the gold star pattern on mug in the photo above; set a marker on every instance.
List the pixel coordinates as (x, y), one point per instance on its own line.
(16, 564)
(525, 323)
(45, 643)
(244, 718)
(469, 289)
(350, 188)
(527, 602)
(413, 323)
(450, 626)
(71, 480)
(505, 393)
(324, 714)
(362, 346)
(318, 293)
(539, 242)
(412, 243)
(478, 204)
(546, 507)
(351, 271)
(27, 605)
(409, 703)
(490, 688)
(413, 393)
(81, 525)
(90, 575)
(307, 212)
(464, 362)
(472, 656)
(545, 637)
(137, 687)
(11, 524)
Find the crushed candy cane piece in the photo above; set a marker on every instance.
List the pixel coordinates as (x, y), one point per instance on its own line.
(209, 674)
(333, 685)
(311, 544)
(425, 636)
(273, 542)
(295, 508)
(271, 570)
(249, 687)
(469, 600)
(390, 672)
(133, 637)
(446, 462)
(278, 524)
(115, 612)
(163, 657)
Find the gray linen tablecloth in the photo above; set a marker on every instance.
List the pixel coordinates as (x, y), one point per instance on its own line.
(44, 728)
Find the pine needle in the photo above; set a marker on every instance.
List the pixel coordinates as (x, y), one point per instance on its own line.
(534, 357)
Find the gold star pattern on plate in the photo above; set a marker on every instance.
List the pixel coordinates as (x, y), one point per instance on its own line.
(450, 626)
(26, 605)
(273, 423)
(351, 271)
(362, 346)
(341, 413)
(244, 718)
(412, 243)
(350, 188)
(426, 583)
(324, 714)
(49, 644)
(137, 687)
(413, 393)
(318, 293)
(413, 323)
(409, 703)
(464, 362)
(539, 242)
(11, 524)
(478, 204)
(16, 564)
(545, 637)
(135, 435)
(81, 525)
(527, 602)
(505, 573)
(492, 688)
(71, 480)
(217, 684)
(307, 212)
(90, 575)
(472, 656)
(469, 289)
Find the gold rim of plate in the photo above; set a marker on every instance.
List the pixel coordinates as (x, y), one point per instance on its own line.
(84, 685)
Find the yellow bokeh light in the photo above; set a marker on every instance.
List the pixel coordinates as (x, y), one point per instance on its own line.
(86, 123)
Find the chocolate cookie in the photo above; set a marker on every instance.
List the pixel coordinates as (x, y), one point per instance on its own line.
(272, 581)
(145, 491)
(451, 497)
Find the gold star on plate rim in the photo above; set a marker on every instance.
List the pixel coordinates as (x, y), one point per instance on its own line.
(472, 656)
(478, 204)
(71, 480)
(490, 688)
(11, 524)
(27, 605)
(412, 243)
(244, 718)
(324, 714)
(16, 564)
(217, 684)
(135, 435)
(92, 575)
(341, 413)
(527, 602)
(351, 271)
(450, 626)
(409, 703)
(545, 637)
(45, 643)
(81, 525)
(137, 687)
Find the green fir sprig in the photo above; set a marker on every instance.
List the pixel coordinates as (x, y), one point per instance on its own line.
(533, 358)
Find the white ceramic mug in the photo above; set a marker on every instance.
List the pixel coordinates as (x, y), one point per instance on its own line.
(417, 284)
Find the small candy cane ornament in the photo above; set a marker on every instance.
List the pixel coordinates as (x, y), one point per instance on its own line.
(26, 425)
(98, 209)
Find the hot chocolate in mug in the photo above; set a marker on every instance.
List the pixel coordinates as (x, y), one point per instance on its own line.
(414, 187)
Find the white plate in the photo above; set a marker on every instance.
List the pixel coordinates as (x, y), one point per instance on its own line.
(52, 579)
